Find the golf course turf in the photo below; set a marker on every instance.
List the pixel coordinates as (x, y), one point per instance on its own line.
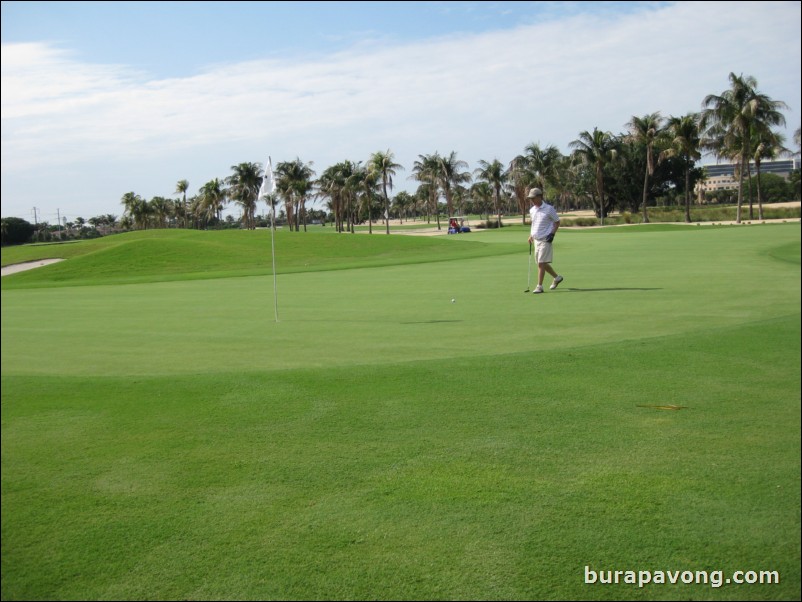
(164, 437)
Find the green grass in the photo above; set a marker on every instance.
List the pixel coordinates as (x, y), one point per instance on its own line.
(165, 438)
(159, 255)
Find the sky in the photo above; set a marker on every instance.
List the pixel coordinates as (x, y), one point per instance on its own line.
(104, 98)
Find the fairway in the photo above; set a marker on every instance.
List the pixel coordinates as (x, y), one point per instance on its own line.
(164, 437)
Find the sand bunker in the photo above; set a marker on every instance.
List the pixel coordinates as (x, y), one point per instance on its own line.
(28, 265)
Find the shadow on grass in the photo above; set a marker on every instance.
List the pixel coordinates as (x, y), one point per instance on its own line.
(432, 322)
(603, 290)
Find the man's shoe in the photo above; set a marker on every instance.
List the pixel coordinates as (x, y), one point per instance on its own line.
(557, 281)
(538, 289)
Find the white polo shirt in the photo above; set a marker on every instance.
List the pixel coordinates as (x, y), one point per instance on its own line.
(542, 219)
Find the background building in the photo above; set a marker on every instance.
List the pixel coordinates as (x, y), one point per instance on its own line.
(723, 176)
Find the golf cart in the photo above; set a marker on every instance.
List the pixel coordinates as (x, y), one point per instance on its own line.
(456, 225)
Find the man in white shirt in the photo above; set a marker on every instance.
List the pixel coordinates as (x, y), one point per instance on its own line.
(545, 223)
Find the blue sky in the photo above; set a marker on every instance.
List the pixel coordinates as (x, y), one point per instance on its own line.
(104, 98)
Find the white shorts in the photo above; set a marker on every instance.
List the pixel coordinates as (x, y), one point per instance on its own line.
(544, 253)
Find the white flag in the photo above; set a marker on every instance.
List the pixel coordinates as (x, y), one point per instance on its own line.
(268, 182)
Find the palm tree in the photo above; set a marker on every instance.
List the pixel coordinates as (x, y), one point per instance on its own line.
(684, 141)
(426, 171)
(764, 144)
(127, 222)
(364, 182)
(426, 199)
(103, 223)
(403, 203)
(596, 150)
(181, 188)
(284, 189)
(137, 209)
(160, 209)
(348, 191)
(451, 175)
(458, 196)
(129, 201)
(542, 163)
(495, 175)
(646, 130)
(294, 182)
(329, 185)
(211, 200)
(522, 180)
(244, 190)
(767, 144)
(482, 194)
(729, 120)
(383, 164)
(336, 183)
(564, 177)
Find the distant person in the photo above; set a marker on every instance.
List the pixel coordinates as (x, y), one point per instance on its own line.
(545, 223)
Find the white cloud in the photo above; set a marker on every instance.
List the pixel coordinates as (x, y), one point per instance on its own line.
(481, 95)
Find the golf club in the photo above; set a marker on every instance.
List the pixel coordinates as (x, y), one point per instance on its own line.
(529, 270)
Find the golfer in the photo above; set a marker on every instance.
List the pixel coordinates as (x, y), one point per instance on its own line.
(545, 223)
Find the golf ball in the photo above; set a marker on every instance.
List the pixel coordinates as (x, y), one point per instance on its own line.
(453, 300)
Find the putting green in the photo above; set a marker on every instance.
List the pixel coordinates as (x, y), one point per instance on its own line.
(618, 286)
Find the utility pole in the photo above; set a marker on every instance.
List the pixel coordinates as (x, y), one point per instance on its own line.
(58, 217)
(35, 223)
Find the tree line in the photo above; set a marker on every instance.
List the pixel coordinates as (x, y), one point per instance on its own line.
(654, 158)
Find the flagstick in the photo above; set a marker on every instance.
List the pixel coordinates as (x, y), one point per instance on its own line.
(273, 253)
(267, 189)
